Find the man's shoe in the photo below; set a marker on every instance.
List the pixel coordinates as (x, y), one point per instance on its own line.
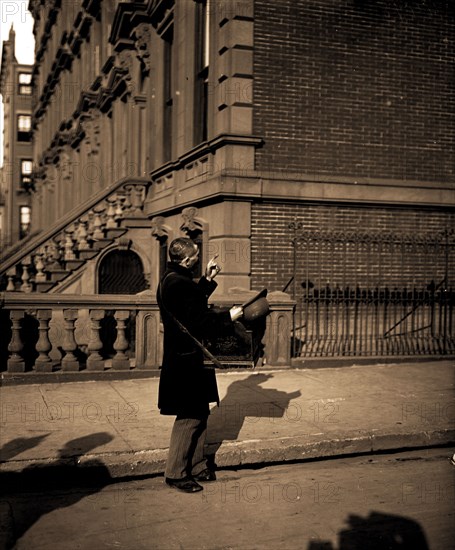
(186, 484)
(205, 475)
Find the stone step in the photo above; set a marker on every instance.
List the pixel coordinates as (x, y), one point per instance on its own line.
(87, 253)
(114, 232)
(44, 286)
(72, 265)
(99, 244)
(58, 275)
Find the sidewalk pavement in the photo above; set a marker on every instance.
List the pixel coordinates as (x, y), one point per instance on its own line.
(264, 416)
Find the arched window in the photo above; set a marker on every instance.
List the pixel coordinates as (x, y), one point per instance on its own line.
(121, 272)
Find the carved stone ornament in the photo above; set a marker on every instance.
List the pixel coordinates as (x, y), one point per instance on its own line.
(125, 62)
(124, 243)
(190, 221)
(92, 130)
(158, 227)
(142, 43)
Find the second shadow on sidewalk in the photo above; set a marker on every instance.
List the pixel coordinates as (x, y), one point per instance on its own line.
(245, 399)
(39, 489)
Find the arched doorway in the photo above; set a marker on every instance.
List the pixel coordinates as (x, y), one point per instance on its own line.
(119, 272)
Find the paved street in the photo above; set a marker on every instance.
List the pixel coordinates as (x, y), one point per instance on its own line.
(403, 500)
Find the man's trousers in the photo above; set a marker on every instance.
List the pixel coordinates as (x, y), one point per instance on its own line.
(186, 448)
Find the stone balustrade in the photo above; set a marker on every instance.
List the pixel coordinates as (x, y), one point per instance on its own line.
(62, 332)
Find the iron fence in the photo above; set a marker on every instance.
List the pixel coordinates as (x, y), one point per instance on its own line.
(372, 294)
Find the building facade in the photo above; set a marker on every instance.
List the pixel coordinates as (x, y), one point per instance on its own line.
(252, 127)
(16, 174)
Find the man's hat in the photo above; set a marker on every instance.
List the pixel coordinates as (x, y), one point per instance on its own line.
(256, 307)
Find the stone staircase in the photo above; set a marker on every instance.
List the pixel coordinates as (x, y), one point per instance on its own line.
(45, 261)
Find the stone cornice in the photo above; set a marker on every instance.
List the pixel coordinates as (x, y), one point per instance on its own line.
(251, 185)
(121, 26)
(160, 13)
(87, 101)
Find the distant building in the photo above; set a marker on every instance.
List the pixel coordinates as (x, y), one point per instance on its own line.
(16, 174)
(229, 122)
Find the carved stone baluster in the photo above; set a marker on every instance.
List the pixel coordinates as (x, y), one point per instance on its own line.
(110, 222)
(53, 255)
(40, 276)
(69, 253)
(121, 361)
(82, 236)
(69, 345)
(11, 274)
(61, 243)
(16, 363)
(26, 286)
(95, 345)
(126, 202)
(90, 228)
(43, 362)
(119, 207)
(97, 225)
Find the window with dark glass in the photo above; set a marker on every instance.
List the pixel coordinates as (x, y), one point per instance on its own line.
(25, 218)
(25, 83)
(202, 41)
(24, 127)
(26, 173)
(168, 38)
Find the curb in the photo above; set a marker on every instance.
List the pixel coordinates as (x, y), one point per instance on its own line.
(235, 454)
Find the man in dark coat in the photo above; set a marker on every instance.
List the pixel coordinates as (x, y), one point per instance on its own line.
(186, 386)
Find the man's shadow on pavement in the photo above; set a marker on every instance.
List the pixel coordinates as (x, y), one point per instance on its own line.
(378, 531)
(244, 398)
(58, 486)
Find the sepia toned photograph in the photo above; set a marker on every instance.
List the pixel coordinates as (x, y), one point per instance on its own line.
(227, 274)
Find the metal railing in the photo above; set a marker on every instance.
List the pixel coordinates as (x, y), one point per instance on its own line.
(376, 294)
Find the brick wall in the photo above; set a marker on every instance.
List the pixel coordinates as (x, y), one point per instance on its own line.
(367, 265)
(356, 88)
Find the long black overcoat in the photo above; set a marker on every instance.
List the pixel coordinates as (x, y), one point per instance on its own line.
(186, 386)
